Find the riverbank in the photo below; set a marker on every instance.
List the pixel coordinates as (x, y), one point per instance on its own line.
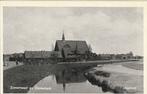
(120, 79)
(20, 79)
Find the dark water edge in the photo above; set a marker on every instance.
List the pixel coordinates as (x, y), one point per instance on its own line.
(26, 76)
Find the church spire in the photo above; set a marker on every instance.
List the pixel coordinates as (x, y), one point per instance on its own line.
(63, 37)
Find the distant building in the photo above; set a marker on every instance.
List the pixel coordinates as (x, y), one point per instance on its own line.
(40, 57)
(72, 50)
(106, 56)
(116, 56)
(124, 56)
(17, 57)
(138, 57)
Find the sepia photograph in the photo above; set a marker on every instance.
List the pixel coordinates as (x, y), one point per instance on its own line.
(73, 50)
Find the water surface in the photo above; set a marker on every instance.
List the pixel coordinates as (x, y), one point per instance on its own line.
(65, 79)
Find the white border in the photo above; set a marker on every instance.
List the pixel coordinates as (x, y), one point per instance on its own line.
(71, 4)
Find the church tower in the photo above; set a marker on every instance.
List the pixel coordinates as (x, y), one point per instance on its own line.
(63, 37)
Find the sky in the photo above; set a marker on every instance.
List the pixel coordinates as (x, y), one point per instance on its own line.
(106, 29)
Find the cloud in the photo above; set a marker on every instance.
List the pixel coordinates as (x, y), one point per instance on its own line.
(108, 30)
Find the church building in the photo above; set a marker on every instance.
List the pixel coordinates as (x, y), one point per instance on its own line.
(72, 50)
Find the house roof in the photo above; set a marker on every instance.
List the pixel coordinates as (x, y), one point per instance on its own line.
(41, 54)
(70, 46)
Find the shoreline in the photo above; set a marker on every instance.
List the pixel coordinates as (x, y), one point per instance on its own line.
(117, 82)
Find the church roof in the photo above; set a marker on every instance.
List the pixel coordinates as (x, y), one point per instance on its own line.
(70, 46)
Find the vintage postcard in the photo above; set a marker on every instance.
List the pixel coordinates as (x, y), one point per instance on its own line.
(79, 48)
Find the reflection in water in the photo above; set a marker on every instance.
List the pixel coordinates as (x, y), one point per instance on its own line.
(66, 78)
(67, 74)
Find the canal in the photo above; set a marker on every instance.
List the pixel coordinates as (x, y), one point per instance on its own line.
(65, 79)
(69, 78)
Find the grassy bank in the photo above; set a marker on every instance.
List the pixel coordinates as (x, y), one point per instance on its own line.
(115, 82)
(24, 76)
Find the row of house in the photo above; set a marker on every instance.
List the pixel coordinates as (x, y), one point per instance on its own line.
(36, 57)
(67, 51)
(116, 56)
